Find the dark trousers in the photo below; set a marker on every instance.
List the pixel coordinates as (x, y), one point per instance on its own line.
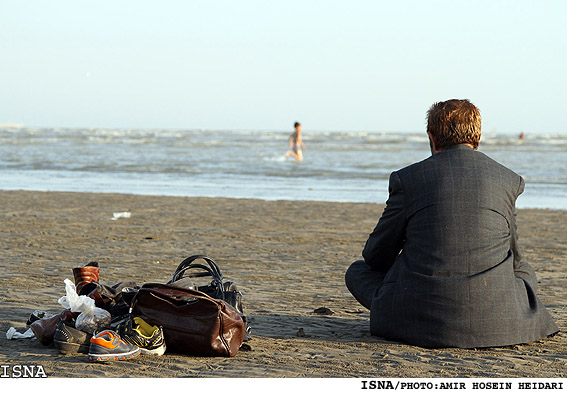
(363, 283)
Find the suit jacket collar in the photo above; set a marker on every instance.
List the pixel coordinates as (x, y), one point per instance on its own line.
(458, 146)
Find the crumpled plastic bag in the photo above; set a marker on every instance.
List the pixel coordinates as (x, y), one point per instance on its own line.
(91, 317)
(118, 215)
(12, 333)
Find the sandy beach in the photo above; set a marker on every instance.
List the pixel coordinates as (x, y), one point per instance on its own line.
(288, 258)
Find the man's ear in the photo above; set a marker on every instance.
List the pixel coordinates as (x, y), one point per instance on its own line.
(432, 143)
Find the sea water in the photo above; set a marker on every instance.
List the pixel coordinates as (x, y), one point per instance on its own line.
(347, 166)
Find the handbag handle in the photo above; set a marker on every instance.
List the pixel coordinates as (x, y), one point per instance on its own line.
(205, 271)
(212, 268)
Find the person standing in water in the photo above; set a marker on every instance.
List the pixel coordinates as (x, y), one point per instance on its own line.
(296, 143)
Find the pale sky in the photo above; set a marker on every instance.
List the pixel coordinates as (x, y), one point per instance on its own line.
(261, 65)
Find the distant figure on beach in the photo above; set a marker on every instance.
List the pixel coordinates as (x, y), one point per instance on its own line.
(442, 267)
(296, 143)
(523, 136)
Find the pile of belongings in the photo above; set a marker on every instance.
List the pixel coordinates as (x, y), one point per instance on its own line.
(99, 321)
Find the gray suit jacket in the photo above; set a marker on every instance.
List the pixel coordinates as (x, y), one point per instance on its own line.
(447, 240)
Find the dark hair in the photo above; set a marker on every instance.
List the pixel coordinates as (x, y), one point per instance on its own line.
(454, 122)
(296, 124)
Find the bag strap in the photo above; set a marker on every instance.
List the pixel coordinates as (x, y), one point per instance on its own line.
(203, 271)
(211, 269)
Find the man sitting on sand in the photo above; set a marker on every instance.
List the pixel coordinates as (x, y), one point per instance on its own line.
(442, 266)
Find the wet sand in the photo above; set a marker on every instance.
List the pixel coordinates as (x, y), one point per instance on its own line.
(288, 258)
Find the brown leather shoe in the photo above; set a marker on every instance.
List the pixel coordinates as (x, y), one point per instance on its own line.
(87, 274)
(44, 329)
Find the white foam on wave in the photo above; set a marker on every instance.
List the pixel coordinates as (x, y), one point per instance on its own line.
(247, 163)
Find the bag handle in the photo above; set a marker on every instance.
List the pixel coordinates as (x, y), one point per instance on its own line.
(212, 269)
(204, 271)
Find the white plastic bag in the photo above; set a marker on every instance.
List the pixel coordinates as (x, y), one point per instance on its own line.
(91, 317)
(118, 215)
(12, 333)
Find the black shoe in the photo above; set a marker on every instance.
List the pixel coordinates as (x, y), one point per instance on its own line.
(70, 340)
(148, 338)
(38, 315)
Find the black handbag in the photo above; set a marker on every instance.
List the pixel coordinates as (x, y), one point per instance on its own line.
(227, 291)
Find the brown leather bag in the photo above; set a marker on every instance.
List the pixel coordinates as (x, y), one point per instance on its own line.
(193, 322)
